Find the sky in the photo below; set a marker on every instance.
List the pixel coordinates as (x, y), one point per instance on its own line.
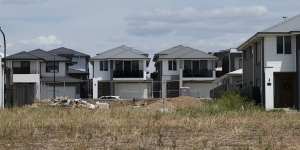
(93, 26)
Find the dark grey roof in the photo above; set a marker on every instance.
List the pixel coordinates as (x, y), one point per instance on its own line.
(66, 79)
(183, 52)
(76, 71)
(292, 24)
(47, 56)
(22, 56)
(67, 51)
(122, 52)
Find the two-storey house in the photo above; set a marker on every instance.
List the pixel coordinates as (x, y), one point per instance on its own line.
(183, 66)
(121, 72)
(78, 67)
(271, 65)
(34, 74)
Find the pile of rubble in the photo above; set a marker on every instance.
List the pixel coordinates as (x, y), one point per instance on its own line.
(77, 103)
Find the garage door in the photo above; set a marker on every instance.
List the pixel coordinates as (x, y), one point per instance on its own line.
(201, 90)
(23, 94)
(131, 90)
(47, 91)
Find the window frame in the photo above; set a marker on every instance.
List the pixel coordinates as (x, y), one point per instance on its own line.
(285, 45)
(103, 65)
(172, 65)
(51, 64)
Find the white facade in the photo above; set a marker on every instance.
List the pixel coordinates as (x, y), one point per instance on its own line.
(274, 62)
(198, 89)
(100, 75)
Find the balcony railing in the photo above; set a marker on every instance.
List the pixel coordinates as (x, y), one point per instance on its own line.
(205, 73)
(128, 74)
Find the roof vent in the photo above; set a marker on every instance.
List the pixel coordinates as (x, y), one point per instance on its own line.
(284, 18)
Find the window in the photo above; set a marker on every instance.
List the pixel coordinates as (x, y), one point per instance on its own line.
(103, 65)
(203, 64)
(119, 65)
(21, 67)
(52, 67)
(135, 65)
(172, 65)
(187, 65)
(284, 45)
(287, 45)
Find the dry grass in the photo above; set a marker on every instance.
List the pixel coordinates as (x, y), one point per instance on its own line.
(128, 128)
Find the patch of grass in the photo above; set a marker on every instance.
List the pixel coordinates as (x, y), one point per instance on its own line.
(229, 102)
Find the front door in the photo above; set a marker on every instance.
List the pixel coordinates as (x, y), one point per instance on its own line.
(285, 90)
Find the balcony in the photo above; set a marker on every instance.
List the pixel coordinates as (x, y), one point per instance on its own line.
(26, 78)
(120, 74)
(205, 73)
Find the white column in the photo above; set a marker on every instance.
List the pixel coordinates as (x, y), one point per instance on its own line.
(180, 78)
(164, 88)
(38, 91)
(145, 69)
(95, 88)
(269, 89)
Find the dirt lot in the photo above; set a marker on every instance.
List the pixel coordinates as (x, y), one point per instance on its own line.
(142, 125)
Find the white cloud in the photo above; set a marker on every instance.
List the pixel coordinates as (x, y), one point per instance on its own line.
(50, 40)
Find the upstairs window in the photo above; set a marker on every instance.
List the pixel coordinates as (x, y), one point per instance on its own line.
(172, 65)
(103, 65)
(52, 67)
(284, 45)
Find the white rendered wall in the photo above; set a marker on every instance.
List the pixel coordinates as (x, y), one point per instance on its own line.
(276, 63)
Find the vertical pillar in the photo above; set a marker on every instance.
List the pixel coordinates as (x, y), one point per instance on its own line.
(164, 89)
(95, 88)
(298, 70)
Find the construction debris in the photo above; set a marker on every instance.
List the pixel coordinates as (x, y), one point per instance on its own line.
(77, 103)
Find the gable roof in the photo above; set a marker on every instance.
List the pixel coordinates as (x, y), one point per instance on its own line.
(122, 52)
(289, 26)
(47, 56)
(22, 56)
(183, 52)
(67, 51)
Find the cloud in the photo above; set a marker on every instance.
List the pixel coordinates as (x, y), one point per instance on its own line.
(194, 21)
(50, 40)
(21, 2)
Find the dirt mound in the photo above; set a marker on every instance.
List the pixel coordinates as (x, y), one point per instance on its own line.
(175, 103)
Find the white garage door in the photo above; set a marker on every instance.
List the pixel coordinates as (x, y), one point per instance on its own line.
(131, 90)
(47, 91)
(201, 90)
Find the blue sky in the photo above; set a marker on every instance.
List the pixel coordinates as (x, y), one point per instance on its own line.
(93, 26)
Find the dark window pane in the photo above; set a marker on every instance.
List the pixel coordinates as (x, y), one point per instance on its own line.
(174, 65)
(135, 65)
(196, 66)
(101, 65)
(287, 45)
(119, 65)
(127, 66)
(52, 67)
(170, 65)
(105, 65)
(187, 65)
(280, 45)
(203, 64)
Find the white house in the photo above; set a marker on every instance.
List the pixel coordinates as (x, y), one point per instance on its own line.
(271, 63)
(183, 66)
(121, 71)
